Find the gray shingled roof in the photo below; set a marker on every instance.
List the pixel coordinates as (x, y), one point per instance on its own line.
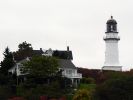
(64, 63)
(38, 52)
(63, 54)
(56, 53)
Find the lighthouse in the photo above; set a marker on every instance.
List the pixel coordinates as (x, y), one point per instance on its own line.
(111, 39)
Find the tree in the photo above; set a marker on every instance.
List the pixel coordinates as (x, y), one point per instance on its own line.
(24, 50)
(44, 78)
(41, 67)
(25, 46)
(7, 62)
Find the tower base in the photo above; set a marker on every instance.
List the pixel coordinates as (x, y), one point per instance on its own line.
(112, 68)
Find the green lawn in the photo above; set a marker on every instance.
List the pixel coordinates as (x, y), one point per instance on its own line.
(87, 86)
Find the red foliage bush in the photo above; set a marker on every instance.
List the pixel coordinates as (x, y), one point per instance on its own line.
(62, 98)
(17, 98)
(43, 97)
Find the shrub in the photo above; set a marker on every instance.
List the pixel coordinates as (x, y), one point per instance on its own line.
(116, 89)
(82, 94)
(5, 92)
(87, 80)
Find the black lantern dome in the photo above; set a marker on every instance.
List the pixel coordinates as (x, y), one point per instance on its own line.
(111, 25)
(111, 21)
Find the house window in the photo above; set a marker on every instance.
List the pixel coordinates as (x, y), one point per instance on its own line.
(20, 66)
(68, 71)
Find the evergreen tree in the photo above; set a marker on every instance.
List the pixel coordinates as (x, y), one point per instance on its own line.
(7, 62)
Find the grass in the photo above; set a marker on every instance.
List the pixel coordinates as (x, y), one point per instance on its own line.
(87, 86)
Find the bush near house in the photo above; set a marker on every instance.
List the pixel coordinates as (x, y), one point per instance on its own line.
(5, 92)
(17, 98)
(116, 89)
(82, 94)
(85, 89)
(88, 80)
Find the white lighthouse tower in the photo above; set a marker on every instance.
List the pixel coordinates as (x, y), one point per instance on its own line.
(112, 53)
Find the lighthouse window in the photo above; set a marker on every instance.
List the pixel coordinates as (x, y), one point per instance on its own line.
(111, 27)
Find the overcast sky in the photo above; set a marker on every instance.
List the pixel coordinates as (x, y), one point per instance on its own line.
(82, 23)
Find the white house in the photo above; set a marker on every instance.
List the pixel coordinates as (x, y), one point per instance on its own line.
(17, 67)
(69, 70)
